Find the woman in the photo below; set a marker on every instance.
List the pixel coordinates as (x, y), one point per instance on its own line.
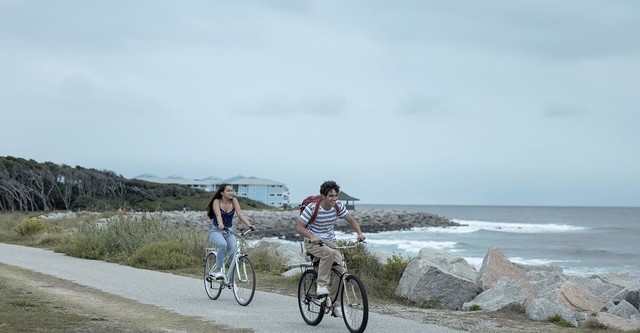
(221, 209)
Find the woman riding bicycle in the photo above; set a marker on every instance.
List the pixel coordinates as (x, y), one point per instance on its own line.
(220, 210)
(320, 232)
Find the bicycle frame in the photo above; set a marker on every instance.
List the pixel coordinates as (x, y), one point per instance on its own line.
(231, 258)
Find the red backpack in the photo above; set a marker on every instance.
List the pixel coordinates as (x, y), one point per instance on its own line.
(316, 199)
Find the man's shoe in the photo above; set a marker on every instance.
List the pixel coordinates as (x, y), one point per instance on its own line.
(322, 290)
(337, 312)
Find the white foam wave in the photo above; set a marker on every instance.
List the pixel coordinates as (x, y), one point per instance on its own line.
(412, 246)
(470, 226)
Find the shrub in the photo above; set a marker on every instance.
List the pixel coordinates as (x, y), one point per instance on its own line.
(559, 321)
(361, 262)
(394, 268)
(595, 325)
(30, 227)
(475, 307)
(162, 255)
(264, 262)
(83, 246)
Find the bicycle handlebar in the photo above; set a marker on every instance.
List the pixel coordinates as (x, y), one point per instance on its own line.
(241, 233)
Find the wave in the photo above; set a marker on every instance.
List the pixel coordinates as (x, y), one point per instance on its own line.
(469, 226)
(413, 246)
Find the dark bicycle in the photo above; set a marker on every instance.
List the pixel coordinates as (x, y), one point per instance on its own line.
(354, 303)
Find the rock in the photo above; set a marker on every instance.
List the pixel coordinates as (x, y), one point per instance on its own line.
(496, 266)
(577, 298)
(438, 279)
(545, 281)
(616, 322)
(504, 293)
(598, 286)
(541, 309)
(624, 309)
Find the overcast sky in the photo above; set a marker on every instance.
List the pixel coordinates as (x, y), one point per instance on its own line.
(401, 102)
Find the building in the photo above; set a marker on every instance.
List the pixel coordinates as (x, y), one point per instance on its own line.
(263, 190)
(208, 184)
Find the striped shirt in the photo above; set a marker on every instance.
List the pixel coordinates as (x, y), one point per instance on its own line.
(322, 227)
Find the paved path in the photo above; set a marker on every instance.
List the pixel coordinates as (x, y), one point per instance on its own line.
(268, 312)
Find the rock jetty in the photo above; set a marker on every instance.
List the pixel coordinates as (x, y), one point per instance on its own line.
(280, 223)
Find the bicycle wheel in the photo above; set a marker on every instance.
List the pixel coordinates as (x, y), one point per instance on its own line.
(212, 286)
(244, 281)
(355, 304)
(311, 309)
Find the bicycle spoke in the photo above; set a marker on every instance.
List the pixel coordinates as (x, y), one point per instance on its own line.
(355, 305)
(244, 281)
(311, 309)
(211, 285)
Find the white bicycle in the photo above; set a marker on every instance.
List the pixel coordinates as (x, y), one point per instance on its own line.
(238, 271)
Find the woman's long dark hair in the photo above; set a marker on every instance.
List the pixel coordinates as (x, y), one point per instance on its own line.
(217, 195)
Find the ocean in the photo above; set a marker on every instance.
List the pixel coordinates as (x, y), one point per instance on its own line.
(582, 240)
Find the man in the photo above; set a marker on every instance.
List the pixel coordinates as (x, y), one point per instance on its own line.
(321, 231)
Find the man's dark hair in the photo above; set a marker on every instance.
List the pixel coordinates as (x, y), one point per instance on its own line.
(329, 185)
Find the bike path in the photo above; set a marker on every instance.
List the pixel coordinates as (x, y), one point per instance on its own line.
(268, 312)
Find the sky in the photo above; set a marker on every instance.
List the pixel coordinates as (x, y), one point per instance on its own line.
(458, 102)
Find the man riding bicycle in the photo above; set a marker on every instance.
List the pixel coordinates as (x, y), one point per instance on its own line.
(319, 236)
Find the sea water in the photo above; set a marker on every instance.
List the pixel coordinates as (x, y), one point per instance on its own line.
(582, 240)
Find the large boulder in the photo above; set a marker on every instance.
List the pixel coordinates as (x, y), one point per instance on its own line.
(599, 286)
(616, 322)
(496, 266)
(624, 309)
(578, 298)
(541, 309)
(545, 281)
(438, 279)
(504, 293)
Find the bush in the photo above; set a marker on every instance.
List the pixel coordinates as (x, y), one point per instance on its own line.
(475, 307)
(394, 268)
(30, 227)
(560, 321)
(595, 325)
(264, 262)
(83, 246)
(162, 255)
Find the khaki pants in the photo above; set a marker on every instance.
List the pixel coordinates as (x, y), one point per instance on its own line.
(328, 257)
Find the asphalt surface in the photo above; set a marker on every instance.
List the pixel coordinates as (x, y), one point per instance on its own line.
(268, 312)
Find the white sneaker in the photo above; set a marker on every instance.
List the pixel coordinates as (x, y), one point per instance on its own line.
(322, 290)
(337, 312)
(218, 275)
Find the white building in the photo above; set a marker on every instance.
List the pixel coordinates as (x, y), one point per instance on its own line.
(264, 190)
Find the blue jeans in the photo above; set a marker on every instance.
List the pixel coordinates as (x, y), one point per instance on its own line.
(224, 241)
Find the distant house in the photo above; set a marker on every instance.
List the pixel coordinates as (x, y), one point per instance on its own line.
(264, 190)
(267, 191)
(208, 184)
